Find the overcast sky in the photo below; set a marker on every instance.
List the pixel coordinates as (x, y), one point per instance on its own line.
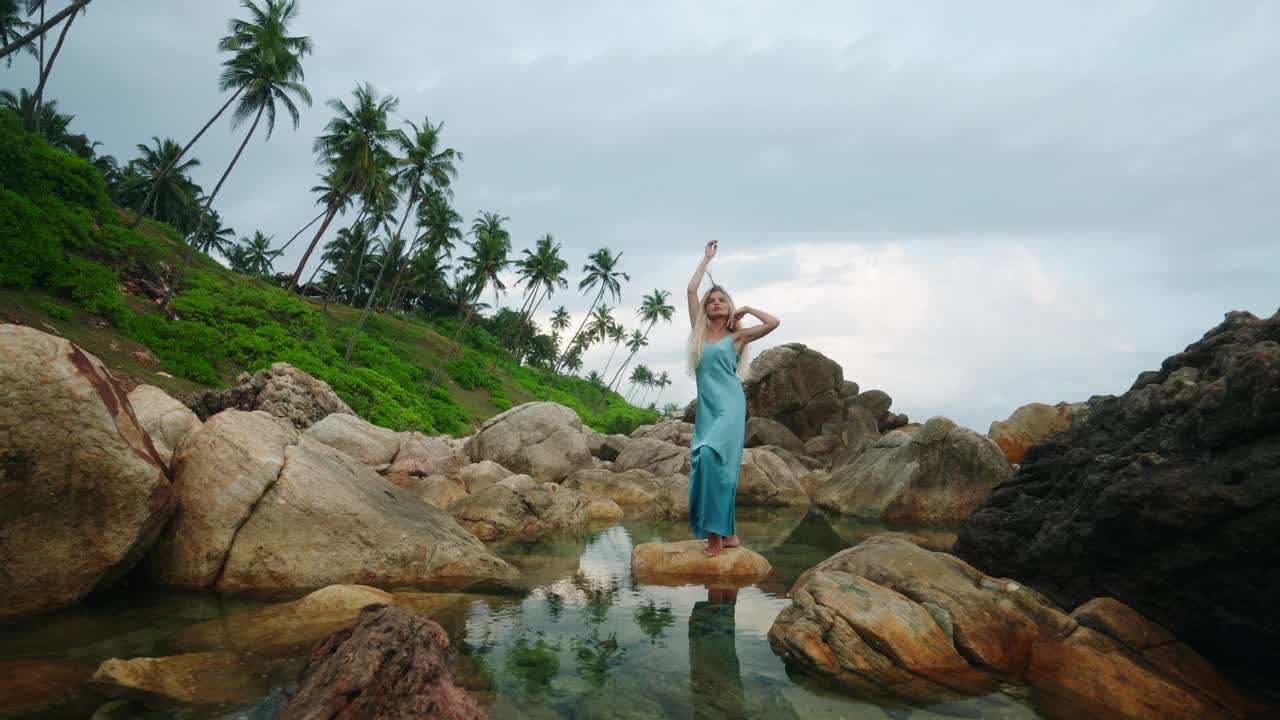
(971, 206)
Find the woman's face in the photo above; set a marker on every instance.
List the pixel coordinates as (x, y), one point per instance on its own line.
(717, 305)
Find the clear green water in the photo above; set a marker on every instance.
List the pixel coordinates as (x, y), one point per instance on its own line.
(575, 636)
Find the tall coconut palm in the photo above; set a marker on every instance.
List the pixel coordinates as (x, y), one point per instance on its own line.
(354, 149)
(267, 65)
(225, 45)
(11, 28)
(488, 258)
(639, 376)
(439, 225)
(427, 169)
(560, 321)
(601, 272)
(46, 64)
(170, 189)
(425, 278)
(617, 334)
(213, 237)
(653, 308)
(258, 255)
(662, 381)
(541, 271)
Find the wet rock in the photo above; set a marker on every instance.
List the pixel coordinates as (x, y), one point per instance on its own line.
(43, 687)
(212, 678)
(674, 561)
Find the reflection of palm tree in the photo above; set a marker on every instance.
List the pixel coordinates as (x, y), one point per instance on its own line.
(714, 677)
(596, 656)
(654, 620)
(534, 664)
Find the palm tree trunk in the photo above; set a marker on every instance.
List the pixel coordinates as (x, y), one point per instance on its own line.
(40, 64)
(44, 27)
(337, 278)
(44, 74)
(557, 366)
(606, 372)
(517, 355)
(297, 274)
(355, 279)
(386, 260)
(137, 220)
(506, 335)
(631, 356)
(395, 280)
(191, 247)
(303, 229)
(449, 353)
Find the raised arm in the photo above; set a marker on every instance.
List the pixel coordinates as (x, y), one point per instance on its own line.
(744, 335)
(707, 254)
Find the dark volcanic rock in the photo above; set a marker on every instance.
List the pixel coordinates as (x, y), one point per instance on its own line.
(1167, 498)
(391, 663)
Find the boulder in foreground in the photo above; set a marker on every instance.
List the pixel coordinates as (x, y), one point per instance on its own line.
(674, 561)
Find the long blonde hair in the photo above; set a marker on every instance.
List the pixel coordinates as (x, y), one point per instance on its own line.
(698, 337)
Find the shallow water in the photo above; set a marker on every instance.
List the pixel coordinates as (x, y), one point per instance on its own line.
(575, 636)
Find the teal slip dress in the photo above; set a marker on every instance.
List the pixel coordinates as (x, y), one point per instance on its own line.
(720, 427)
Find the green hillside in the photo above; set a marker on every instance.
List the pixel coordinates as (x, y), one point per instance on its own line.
(69, 264)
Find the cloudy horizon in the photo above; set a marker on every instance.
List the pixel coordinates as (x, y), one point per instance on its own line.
(970, 206)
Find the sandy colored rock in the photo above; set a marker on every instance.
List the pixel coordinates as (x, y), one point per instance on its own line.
(478, 476)
(212, 678)
(823, 445)
(940, 476)
(519, 505)
(324, 499)
(165, 419)
(540, 439)
(674, 561)
(765, 480)
(438, 490)
(765, 431)
(1029, 425)
(83, 490)
(655, 456)
(364, 441)
(668, 431)
(633, 488)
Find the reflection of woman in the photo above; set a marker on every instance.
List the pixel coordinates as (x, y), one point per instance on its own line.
(717, 344)
(714, 677)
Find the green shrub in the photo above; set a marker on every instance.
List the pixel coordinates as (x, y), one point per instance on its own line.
(129, 248)
(55, 311)
(93, 285)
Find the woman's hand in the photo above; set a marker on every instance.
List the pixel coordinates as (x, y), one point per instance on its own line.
(741, 313)
(710, 251)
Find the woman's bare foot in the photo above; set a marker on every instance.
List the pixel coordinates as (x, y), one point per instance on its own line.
(732, 541)
(715, 545)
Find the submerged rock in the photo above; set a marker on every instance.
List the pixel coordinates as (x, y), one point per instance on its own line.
(212, 678)
(390, 663)
(83, 490)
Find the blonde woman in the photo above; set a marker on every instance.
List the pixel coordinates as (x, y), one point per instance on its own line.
(717, 349)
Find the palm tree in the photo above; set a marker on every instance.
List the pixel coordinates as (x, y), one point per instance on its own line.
(661, 382)
(617, 334)
(639, 377)
(541, 271)
(653, 308)
(46, 65)
(170, 190)
(425, 276)
(427, 169)
(560, 321)
(257, 254)
(600, 272)
(213, 236)
(354, 149)
(223, 46)
(488, 258)
(267, 66)
(596, 381)
(439, 224)
(12, 27)
(9, 29)
(573, 361)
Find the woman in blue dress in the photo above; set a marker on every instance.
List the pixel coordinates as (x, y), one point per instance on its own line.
(717, 350)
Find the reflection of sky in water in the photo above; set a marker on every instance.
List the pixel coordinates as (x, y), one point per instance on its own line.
(588, 641)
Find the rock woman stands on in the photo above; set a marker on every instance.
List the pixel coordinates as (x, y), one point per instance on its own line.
(717, 346)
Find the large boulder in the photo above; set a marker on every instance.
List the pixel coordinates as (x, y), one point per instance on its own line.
(889, 619)
(938, 475)
(478, 476)
(390, 664)
(281, 390)
(606, 447)
(633, 488)
(764, 431)
(655, 456)
(797, 386)
(362, 440)
(257, 498)
(1029, 425)
(165, 419)
(540, 439)
(521, 505)
(422, 456)
(83, 490)
(1166, 498)
(766, 480)
(675, 432)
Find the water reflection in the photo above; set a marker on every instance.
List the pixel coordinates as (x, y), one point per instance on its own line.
(715, 680)
(654, 620)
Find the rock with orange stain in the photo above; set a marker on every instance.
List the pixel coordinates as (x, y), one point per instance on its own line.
(83, 490)
(664, 563)
(889, 619)
(1029, 425)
